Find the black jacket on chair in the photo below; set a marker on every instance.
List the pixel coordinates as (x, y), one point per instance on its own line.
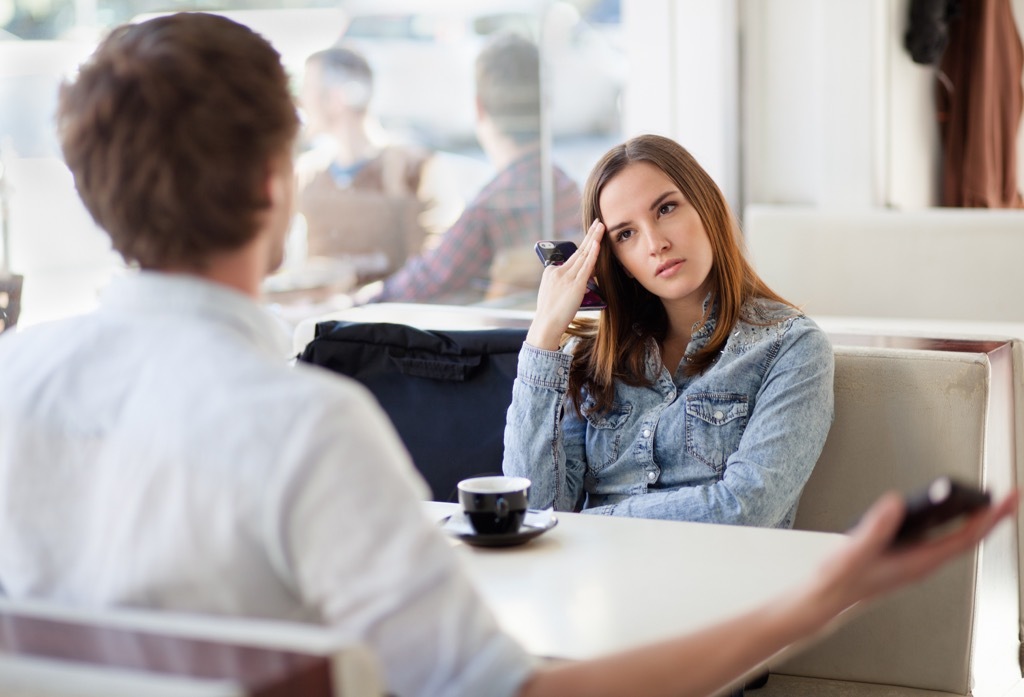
(447, 393)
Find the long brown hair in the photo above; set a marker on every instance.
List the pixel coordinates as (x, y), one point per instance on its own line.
(614, 347)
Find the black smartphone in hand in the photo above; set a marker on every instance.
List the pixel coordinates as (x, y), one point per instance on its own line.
(943, 501)
(555, 252)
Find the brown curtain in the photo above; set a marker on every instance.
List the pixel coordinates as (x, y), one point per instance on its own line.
(980, 107)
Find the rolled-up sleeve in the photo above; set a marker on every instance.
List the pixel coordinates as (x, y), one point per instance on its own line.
(545, 441)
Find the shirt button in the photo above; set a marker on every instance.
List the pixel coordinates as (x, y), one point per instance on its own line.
(719, 414)
(647, 433)
(652, 476)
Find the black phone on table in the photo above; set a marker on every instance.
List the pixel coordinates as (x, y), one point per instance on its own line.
(556, 252)
(941, 502)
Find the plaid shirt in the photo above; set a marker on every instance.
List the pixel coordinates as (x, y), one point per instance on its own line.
(505, 214)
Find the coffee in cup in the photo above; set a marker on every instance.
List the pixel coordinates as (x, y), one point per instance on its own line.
(494, 505)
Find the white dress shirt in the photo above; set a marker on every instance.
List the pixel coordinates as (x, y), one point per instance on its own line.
(161, 453)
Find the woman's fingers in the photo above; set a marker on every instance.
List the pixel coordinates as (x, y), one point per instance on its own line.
(561, 291)
(583, 261)
(594, 232)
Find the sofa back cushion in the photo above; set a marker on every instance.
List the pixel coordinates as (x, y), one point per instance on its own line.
(902, 418)
(936, 263)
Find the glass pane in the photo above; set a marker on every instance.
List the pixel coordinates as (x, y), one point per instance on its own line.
(393, 166)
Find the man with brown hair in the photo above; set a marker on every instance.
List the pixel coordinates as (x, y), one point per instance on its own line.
(160, 452)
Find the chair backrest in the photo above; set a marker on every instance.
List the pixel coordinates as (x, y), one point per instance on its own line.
(49, 650)
(361, 224)
(514, 270)
(447, 393)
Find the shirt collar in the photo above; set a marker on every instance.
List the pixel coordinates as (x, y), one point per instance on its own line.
(698, 339)
(705, 330)
(155, 293)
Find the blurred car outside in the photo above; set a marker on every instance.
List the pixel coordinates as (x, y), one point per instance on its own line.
(422, 56)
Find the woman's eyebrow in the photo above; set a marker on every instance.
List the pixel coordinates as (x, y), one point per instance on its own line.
(616, 227)
(653, 206)
(657, 201)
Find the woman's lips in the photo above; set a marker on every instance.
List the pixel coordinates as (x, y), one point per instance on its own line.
(669, 267)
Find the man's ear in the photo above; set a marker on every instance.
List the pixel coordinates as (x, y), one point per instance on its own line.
(278, 180)
(271, 183)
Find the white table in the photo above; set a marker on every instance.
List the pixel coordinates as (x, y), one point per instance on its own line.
(595, 584)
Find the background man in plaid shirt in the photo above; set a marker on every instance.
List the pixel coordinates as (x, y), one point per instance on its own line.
(488, 252)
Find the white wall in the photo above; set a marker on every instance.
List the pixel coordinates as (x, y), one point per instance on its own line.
(814, 78)
(683, 80)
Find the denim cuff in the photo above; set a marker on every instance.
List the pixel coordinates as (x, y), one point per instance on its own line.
(601, 510)
(541, 368)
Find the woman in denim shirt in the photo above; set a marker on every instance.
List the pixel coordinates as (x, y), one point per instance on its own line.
(699, 394)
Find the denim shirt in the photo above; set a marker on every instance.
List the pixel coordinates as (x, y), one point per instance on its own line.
(733, 445)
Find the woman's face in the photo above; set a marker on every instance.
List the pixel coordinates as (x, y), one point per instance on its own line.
(656, 234)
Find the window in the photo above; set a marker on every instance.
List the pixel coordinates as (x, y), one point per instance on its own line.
(423, 156)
